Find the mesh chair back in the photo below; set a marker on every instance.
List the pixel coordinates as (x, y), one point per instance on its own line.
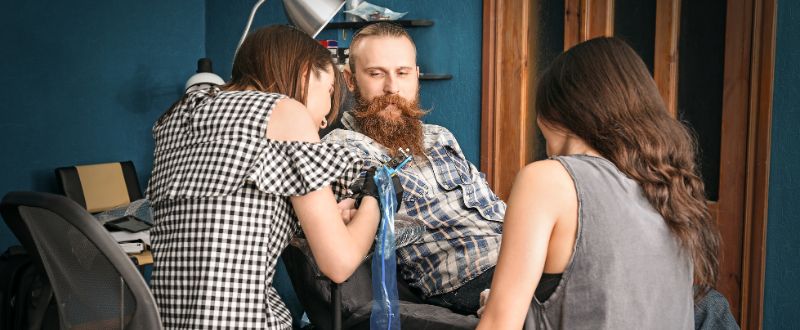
(95, 284)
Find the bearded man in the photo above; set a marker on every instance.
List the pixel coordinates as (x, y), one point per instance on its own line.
(453, 259)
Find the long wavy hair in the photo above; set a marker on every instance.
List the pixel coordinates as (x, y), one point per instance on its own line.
(601, 91)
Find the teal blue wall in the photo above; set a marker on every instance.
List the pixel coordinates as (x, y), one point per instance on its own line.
(452, 45)
(82, 81)
(782, 287)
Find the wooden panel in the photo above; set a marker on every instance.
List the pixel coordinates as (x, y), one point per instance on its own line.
(758, 150)
(741, 209)
(600, 17)
(733, 153)
(506, 112)
(666, 52)
(713, 208)
(572, 23)
(488, 90)
(587, 19)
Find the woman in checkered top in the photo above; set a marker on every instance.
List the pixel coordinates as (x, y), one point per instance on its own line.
(238, 169)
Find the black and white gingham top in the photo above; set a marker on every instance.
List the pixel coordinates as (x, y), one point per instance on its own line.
(220, 194)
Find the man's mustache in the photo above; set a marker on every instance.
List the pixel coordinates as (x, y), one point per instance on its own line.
(379, 103)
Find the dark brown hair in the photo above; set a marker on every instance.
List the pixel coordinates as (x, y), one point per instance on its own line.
(381, 29)
(274, 59)
(601, 91)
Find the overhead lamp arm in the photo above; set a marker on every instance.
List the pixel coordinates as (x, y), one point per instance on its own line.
(249, 22)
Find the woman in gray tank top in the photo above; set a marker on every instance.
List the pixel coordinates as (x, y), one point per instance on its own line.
(612, 231)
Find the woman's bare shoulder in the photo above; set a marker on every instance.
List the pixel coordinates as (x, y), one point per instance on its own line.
(290, 121)
(547, 170)
(548, 177)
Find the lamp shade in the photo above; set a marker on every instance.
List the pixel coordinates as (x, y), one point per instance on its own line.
(312, 15)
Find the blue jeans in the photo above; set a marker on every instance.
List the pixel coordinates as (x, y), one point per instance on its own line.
(466, 299)
(713, 312)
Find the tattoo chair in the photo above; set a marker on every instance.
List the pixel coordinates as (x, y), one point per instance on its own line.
(348, 305)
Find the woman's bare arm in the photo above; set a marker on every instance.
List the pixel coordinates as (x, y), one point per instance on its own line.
(541, 193)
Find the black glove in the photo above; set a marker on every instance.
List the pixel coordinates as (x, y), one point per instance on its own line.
(370, 188)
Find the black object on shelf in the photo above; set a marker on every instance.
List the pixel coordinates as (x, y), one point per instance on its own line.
(435, 76)
(358, 25)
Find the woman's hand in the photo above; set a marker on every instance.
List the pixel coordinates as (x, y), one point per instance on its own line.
(370, 188)
(348, 209)
(484, 297)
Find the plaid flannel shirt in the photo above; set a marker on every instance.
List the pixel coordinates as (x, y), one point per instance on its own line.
(461, 215)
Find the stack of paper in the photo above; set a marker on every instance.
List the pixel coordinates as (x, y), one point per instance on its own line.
(132, 247)
(125, 236)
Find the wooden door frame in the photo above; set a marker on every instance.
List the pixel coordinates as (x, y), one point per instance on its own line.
(762, 77)
(665, 57)
(507, 129)
(507, 120)
(587, 19)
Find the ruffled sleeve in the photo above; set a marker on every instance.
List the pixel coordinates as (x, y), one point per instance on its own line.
(292, 168)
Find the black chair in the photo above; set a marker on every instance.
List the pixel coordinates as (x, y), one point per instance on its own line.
(95, 283)
(348, 305)
(100, 187)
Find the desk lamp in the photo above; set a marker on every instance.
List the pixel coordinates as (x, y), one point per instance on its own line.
(310, 16)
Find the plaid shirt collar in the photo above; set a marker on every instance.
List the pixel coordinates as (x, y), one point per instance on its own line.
(349, 122)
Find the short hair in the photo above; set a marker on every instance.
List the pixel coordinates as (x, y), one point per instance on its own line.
(380, 29)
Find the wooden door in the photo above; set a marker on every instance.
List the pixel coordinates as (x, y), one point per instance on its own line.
(731, 114)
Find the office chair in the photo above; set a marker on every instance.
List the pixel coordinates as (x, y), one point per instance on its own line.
(100, 187)
(95, 283)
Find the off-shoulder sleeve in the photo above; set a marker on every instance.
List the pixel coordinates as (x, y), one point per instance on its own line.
(292, 168)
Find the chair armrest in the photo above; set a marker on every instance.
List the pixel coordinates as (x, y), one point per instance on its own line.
(329, 305)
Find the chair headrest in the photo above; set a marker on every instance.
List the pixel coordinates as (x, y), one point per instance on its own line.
(100, 187)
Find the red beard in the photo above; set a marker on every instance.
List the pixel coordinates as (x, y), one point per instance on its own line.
(403, 129)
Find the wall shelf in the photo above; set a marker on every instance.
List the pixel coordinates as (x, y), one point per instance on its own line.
(360, 24)
(435, 76)
(403, 23)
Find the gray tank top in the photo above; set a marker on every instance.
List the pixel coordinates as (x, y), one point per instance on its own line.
(627, 270)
